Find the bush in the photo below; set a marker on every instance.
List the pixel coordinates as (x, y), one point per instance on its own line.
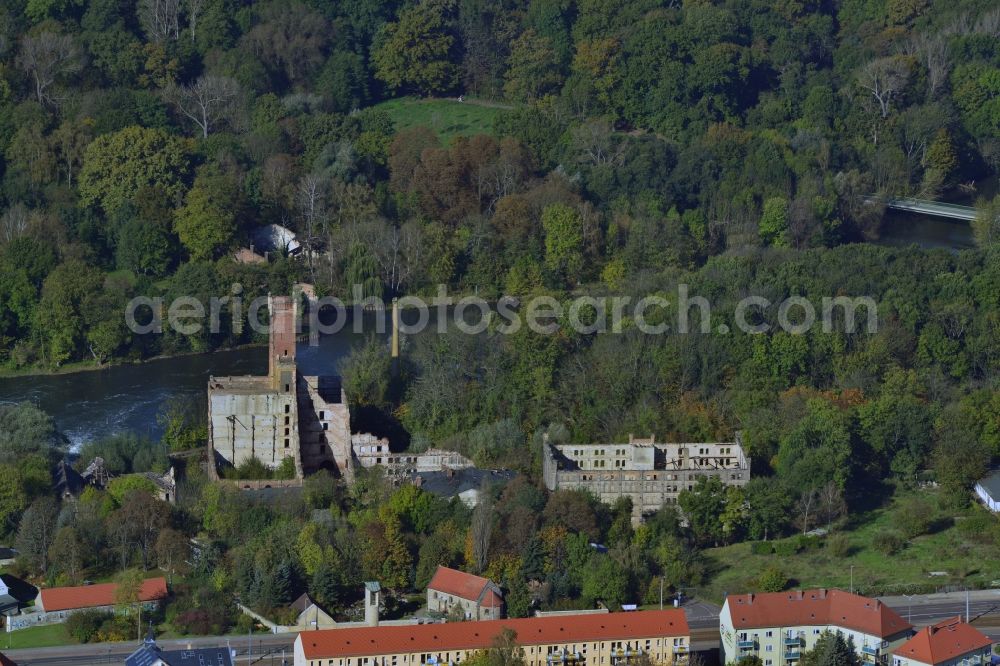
(807, 542)
(761, 547)
(787, 548)
(888, 543)
(981, 527)
(914, 516)
(772, 579)
(84, 625)
(838, 545)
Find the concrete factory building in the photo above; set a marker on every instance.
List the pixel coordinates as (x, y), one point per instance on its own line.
(283, 414)
(650, 473)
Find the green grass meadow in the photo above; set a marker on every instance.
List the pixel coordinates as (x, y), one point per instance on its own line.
(48, 635)
(967, 558)
(448, 117)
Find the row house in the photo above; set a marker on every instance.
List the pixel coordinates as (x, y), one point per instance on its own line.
(613, 639)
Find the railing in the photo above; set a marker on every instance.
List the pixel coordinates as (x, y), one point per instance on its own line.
(868, 649)
(746, 645)
(678, 649)
(792, 656)
(795, 641)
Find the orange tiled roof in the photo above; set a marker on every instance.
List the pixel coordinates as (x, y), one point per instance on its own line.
(943, 642)
(366, 641)
(91, 596)
(463, 585)
(815, 607)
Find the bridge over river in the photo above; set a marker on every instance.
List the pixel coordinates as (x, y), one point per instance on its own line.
(932, 208)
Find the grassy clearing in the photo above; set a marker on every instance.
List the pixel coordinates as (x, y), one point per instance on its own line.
(48, 635)
(972, 560)
(448, 117)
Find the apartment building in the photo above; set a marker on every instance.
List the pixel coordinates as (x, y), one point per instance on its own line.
(651, 473)
(948, 643)
(778, 627)
(612, 639)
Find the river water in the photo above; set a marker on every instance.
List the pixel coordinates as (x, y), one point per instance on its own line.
(92, 404)
(901, 229)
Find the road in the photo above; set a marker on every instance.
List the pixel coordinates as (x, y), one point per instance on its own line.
(703, 619)
(266, 651)
(924, 609)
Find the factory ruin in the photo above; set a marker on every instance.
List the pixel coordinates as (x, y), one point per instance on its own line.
(283, 414)
(650, 473)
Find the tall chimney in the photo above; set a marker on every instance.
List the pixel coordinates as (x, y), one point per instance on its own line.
(373, 592)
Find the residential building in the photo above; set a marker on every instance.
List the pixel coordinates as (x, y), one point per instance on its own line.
(613, 639)
(650, 473)
(477, 598)
(275, 238)
(778, 627)
(15, 594)
(283, 414)
(988, 490)
(951, 642)
(57, 603)
(150, 654)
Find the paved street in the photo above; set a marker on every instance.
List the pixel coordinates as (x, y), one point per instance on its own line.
(925, 608)
(266, 651)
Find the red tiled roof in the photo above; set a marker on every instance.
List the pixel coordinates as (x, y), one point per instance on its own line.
(367, 641)
(464, 585)
(815, 607)
(90, 596)
(943, 642)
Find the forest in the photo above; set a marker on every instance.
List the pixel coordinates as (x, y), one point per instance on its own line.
(635, 146)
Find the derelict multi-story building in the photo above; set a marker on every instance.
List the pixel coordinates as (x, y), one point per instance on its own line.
(650, 473)
(283, 414)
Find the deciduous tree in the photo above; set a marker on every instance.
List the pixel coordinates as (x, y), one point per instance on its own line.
(415, 52)
(118, 165)
(46, 57)
(208, 102)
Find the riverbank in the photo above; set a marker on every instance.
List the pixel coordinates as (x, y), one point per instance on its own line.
(74, 367)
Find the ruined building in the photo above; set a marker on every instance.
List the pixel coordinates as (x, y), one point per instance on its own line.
(650, 473)
(283, 414)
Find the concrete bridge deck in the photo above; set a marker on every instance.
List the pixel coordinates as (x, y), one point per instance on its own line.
(933, 208)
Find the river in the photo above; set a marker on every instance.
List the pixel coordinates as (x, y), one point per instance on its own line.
(91, 404)
(900, 229)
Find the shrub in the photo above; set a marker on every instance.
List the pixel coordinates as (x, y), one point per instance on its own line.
(838, 545)
(761, 547)
(786, 548)
(888, 543)
(84, 625)
(914, 516)
(981, 527)
(807, 542)
(772, 579)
